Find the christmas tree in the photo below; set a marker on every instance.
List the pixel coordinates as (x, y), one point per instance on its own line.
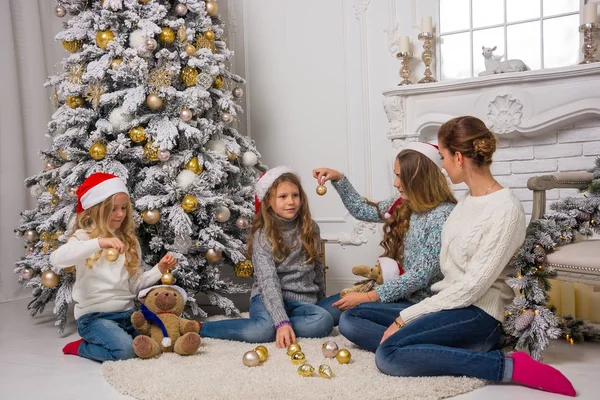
(146, 94)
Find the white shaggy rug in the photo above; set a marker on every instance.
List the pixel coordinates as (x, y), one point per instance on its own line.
(216, 371)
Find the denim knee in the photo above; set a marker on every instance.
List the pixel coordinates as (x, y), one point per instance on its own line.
(382, 361)
(324, 326)
(260, 333)
(320, 325)
(124, 353)
(346, 323)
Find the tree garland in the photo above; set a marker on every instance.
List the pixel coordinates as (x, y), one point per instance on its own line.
(529, 322)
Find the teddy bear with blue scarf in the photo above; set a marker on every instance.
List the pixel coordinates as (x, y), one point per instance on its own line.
(159, 323)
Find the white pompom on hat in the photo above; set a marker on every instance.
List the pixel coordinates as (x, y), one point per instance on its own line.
(390, 269)
(265, 181)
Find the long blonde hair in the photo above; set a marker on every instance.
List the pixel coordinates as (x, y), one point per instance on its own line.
(272, 225)
(94, 220)
(425, 187)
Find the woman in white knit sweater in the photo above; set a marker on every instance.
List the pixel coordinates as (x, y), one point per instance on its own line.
(457, 330)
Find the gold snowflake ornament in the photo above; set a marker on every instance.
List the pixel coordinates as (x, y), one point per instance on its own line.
(160, 78)
(75, 74)
(93, 93)
(203, 43)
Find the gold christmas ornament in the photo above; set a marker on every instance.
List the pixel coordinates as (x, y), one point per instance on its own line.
(343, 356)
(189, 203)
(251, 358)
(263, 348)
(144, 1)
(325, 371)
(306, 370)
(167, 278)
(103, 38)
(166, 35)
(74, 101)
(298, 357)
(160, 77)
(231, 156)
(321, 190)
(62, 154)
(182, 33)
(262, 356)
(219, 82)
(137, 134)
(151, 217)
(292, 348)
(75, 74)
(111, 254)
(190, 49)
(194, 166)
(154, 101)
(210, 35)
(92, 95)
(188, 76)
(202, 42)
(49, 279)
(244, 269)
(212, 8)
(115, 62)
(151, 151)
(97, 151)
(213, 255)
(72, 46)
(329, 349)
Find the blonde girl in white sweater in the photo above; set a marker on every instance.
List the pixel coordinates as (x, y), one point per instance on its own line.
(104, 290)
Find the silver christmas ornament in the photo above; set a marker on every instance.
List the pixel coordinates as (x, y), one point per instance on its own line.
(27, 273)
(31, 235)
(185, 114)
(223, 214)
(249, 159)
(204, 80)
(60, 11)
(241, 223)
(181, 10)
(226, 117)
(151, 44)
(164, 155)
(330, 349)
(237, 92)
(73, 192)
(49, 166)
(251, 358)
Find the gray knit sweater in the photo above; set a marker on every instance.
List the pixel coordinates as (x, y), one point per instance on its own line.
(291, 279)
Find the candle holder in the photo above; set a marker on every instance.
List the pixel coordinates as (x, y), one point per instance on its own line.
(405, 70)
(589, 47)
(427, 56)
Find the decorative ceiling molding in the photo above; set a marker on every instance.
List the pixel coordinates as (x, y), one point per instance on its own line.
(360, 8)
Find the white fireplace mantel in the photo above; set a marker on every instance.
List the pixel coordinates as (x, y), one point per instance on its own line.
(512, 105)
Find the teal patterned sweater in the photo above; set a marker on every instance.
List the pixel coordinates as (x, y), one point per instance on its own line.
(422, 244)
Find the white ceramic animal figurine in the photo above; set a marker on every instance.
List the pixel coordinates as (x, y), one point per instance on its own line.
(493, 65)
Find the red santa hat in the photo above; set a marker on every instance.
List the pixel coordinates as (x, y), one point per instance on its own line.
(98, 187)
(390, 269)
(264, 183)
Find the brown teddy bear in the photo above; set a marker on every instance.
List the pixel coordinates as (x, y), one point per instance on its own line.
(159, 323)
(386, 269)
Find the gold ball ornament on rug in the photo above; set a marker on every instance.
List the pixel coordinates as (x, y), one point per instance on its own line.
(251, 358)
(72, 46)
(212, 8)
(151, 151)
(194, 166)
(154, 101)
(103, 38)
(292, 348)
(210, 35)
(49, 279)
(115, 62)
(166, 36)
(218, 83)
(244, 269)
(111, 254)
(167, 278)
(137, 134)
(263, 348)
(343, 356)
(74, 101)
(321, 190)
(298, 357)
(190, 49)
(97, 151)
(329, 349)
(151, 217)
(325, 371)
(189, 203)
(262, 356)
(188, 76)
(213, 255)
(306, 370)
(27, 273)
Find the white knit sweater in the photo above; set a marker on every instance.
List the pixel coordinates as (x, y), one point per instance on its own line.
(478, 240)
(106, 287)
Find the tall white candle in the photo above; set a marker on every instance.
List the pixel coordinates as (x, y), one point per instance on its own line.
(426, 24)
(582, 300)
(590, 12)
(404, 45)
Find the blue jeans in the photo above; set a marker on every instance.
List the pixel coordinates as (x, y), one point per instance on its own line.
(450, 342)
(333, 311)
(365, 324)
(308, 320)
(107, 336)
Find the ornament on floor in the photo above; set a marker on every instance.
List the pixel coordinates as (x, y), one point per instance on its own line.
(27, 273)
(213, 255)
(103, 38)
(164, 155)
(97, 151)
(151, 151)
(292, 348)
(74, 101)
(223, 214)
(251, 358)
(115, 62)
(325, 371)
(306, 370)
(245, 269)
(262, 354)
(219, 82)
(167, 278)
(181, 9)
(60, 11)
(137, 134)
(190, 49)
(298, 357)
(249, 159)
(188, 76)
(242, 223)
(189, 203)
(154, 101)
(194, 166)
(151, 44)
(216, 145)
(185, 178)
(343, 356)
(212, 8)
(321, 190)
(49, 279)
(111, 254)
(185, 114)
(72, 46)
(263, 348)
(329, 349)
(237, 92)
(226, 117)
(166, 36)
(151, 217)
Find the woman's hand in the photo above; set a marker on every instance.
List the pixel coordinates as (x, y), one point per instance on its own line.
(350, 300)
(112, 243)
(285, 336)
(393, 328)
(323, 175)
(166, 263)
